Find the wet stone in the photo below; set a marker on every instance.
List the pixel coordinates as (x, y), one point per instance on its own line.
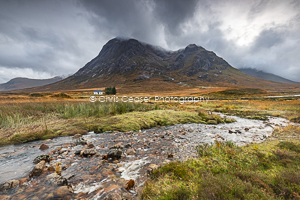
(58, 168)
(88, 152)
(38, 169)
(114, 154)
(39, 158)
(128, 184)
(151, 168)
(80, 141)
(64, 192)
(44, 147)
(9, 185)
(90, 145)
(56, 180)
(130, 151)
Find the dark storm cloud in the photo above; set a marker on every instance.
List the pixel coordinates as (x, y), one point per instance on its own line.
(173, 13)
(131, 18)
(41, 39)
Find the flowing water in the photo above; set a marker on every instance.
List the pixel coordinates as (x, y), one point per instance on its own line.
(91, 178)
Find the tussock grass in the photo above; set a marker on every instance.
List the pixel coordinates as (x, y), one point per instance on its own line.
(225, 171)
(138, 120)
(25, 122)
(251, 109)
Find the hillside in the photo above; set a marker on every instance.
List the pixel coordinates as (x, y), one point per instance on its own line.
(139, 67)
(21, 83)
(267, 76)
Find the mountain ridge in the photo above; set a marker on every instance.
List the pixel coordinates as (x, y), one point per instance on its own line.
(23, 82)
(266, 76)
(144, 67)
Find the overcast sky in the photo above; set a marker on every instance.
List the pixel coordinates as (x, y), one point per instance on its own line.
(46, 38)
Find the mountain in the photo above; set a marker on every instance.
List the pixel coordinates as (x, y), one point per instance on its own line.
(135, 66)
(267, 76)
(21, 83)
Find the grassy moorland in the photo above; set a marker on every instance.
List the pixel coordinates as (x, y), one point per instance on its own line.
(27, 117)
(269, 170)
(27, 121)
(251, 109)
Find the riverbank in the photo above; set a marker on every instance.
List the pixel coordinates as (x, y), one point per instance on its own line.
(103, 165)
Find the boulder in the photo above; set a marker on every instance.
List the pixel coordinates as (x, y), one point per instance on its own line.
(88, 152)
(39, 158)
(90, 145)
(128, 184)
(38, 169)
(9, 185)
(114, 154)
(44, 147)
(51, 168)
(56, 180)
(80, 141)
(130, 151)
(58, 168)
(64, 192)
(151, 168)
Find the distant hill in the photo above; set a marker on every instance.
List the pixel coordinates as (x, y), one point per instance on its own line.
(141, 67)
(267, 76)
(22, 83)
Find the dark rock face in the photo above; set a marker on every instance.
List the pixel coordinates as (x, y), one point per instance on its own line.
(120, 56)
(126, 61)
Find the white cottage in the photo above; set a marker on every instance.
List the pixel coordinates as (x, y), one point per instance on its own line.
(99, 92)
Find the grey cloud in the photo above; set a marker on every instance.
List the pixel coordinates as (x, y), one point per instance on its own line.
(132, 18)
(172, 13)
(59, 37)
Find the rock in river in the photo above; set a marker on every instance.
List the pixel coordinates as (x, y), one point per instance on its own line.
(9, 185)
(38, 159)
(80, 141)
(64, 192)
(38, 169)
(88, 152)
(44, 147)
(128, 184)
(130, 151)
(57, 180)
(114, 153)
